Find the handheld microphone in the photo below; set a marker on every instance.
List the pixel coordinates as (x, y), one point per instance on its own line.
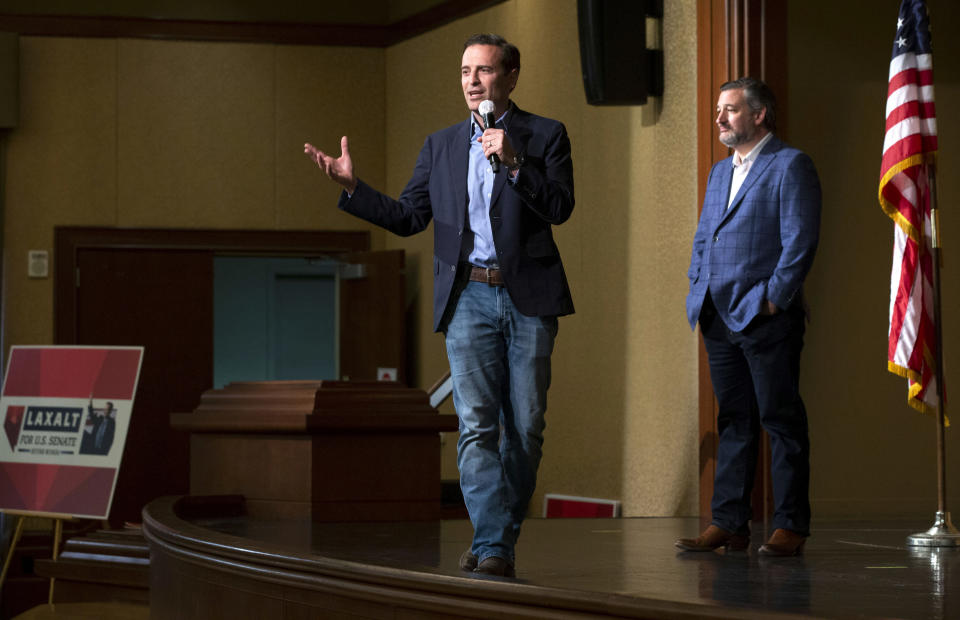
(486, 113)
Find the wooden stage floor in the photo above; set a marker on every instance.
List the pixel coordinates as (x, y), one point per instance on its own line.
(629, 566)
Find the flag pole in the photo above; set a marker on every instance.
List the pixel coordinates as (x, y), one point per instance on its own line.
(943, 533)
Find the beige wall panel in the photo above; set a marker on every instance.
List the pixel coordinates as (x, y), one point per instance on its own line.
(196, 134)
(622, 416)
(872, 455)
(661, 440)
(61, 166)
(205, 135)
(324, 93)
(588, 406)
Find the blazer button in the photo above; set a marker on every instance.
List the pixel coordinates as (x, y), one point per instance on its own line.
(716, 238)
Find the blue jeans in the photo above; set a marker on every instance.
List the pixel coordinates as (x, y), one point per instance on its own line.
(500, 365)
(756, 378)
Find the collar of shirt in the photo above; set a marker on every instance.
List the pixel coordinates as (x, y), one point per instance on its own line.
(752, 155)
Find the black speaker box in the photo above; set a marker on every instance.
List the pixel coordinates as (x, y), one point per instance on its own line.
(618, 69)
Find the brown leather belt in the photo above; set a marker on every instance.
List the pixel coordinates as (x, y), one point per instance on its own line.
(493, 277)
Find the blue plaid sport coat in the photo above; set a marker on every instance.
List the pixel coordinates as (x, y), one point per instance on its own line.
(762, 246)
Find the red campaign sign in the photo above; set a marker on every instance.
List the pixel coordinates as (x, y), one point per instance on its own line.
(65, 372)
(57, 489)
(66, 411)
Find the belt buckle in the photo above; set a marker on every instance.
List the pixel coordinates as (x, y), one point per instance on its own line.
(487, 271)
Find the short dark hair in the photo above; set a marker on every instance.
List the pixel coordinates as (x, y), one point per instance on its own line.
(509, 54)
(758, 96)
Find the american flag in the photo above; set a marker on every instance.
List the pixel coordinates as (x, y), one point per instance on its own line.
(909, 155)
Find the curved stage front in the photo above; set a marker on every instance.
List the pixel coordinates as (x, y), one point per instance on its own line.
(208, 560)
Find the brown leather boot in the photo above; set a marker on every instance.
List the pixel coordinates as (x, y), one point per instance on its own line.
(783, 543)
(468, 561)
(713, 538)
(495, 566)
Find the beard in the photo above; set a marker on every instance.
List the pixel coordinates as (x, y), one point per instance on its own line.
(731, 138)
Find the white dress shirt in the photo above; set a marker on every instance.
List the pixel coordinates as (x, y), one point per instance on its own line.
(741, 166)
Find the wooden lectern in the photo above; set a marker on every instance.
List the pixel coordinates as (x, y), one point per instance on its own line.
(325, 450)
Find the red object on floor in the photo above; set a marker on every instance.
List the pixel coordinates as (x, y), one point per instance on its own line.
(570, 507)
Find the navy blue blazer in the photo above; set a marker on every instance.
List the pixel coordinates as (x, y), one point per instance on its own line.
(521, 214)
(762, 247)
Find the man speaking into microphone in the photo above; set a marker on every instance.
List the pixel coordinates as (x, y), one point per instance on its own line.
(494, 186)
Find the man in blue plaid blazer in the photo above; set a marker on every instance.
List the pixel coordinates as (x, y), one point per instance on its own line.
(753, 248)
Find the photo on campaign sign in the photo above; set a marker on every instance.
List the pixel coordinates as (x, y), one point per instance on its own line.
(98, 430)
(66, 412)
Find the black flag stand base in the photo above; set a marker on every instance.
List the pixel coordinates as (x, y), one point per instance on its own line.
(942, 534)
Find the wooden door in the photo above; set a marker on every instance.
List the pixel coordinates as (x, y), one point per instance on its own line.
(372, 314)
(161, 300)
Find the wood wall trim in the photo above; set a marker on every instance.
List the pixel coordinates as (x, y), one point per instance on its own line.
(713, 60)
(68, 241)
(249, 32)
